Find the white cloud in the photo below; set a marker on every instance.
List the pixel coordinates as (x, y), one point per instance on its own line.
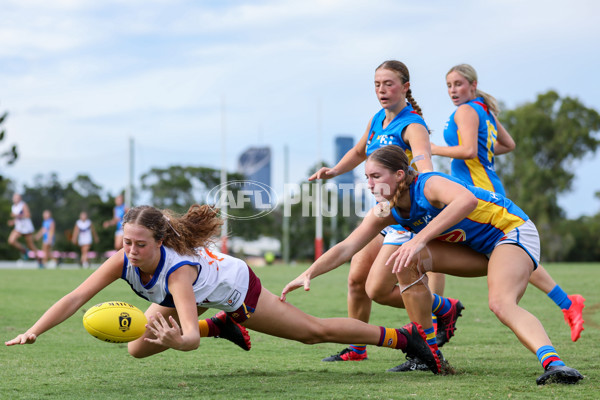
(89, 75)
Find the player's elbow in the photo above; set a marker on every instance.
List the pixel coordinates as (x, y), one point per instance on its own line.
(469, 154)
(510, 145)
(470, 202)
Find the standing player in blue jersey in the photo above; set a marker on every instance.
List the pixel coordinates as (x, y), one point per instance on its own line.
(399, 122)
(47, 234)
(117, 221)
(474, 137)
(478, 223)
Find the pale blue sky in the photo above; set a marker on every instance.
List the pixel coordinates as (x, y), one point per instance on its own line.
(79, 78)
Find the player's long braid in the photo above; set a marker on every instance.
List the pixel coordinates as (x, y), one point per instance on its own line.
(184, 233)
(402, 71)
(469, 73)
(393, 158)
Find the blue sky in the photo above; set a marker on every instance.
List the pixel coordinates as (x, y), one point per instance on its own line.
(79, 78)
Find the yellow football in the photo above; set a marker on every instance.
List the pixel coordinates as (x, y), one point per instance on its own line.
(115, 322)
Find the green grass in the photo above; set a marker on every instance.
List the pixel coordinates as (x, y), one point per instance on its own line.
(68, 363)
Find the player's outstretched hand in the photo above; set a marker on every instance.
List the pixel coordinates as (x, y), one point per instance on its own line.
(167, 334)
(300, 281)
(24, 338)
(405, 255)
(324, 173)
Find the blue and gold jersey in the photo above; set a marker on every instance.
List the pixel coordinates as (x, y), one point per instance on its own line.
(494, 216)
(392, 134)
(479, 171)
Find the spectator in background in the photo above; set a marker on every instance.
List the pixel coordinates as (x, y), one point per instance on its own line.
(47, 234)
(117, 221)
(22, 226)
(84, 235)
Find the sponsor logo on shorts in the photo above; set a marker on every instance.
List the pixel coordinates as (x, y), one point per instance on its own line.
(234, 297)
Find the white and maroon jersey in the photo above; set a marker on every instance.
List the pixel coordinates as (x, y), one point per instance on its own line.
(222, 281)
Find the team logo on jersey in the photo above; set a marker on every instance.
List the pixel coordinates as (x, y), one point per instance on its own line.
(422, 221)
(371, 137)
(455, 236)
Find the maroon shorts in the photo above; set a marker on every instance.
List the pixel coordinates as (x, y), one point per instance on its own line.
(249, 304)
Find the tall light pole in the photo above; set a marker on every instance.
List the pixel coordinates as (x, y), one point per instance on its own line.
(223, 177)
(318, 188)
(129, 190)
(285, 243)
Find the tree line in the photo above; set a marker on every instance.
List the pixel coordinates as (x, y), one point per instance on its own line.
(552, 133)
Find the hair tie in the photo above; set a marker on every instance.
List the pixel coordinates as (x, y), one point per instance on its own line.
(417, 158)
(171, 226)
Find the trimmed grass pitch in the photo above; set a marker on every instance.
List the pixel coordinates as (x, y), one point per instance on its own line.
(68, 363)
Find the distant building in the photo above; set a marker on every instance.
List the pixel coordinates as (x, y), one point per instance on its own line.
(255, 164)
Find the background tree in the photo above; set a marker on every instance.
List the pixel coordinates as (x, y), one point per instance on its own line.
(551, 133)
(178, 187)
(9, 156)
(6, 192)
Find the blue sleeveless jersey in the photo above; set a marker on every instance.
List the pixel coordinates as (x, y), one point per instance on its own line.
(120, 213)
(479, 171)
(494, 216)
(392, 134)
(46, 224)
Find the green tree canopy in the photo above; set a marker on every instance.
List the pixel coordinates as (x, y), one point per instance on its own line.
(551, 134)
(178, 187)
(10, 155)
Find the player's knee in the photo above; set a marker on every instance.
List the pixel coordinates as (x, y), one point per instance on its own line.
(408, 275)
(356, 285)
(378, 294)
(500, 307)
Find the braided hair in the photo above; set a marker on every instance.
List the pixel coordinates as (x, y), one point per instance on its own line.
(393, 158)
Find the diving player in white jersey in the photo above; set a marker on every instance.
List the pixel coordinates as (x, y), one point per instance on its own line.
(164, 259)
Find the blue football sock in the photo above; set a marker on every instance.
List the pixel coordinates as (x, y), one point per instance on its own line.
(441, 305)
(560, 297)
(548, 356)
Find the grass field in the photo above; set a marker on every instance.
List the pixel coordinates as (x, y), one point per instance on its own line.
(68, 363)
